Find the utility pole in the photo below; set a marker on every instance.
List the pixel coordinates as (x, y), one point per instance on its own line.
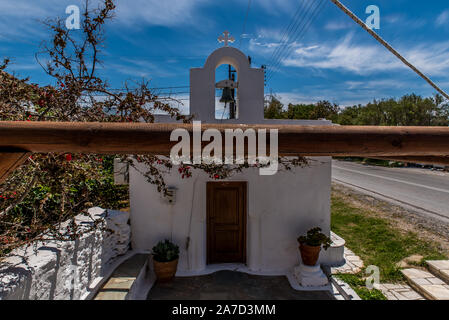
(232, 109)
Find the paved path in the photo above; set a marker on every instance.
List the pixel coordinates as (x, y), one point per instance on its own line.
(398, 292)
(119, 284)
(420, 190)
(230, 285)
(353, 265)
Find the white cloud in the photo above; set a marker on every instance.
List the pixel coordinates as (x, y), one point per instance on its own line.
(350, 56)
(140, 68)
(344, 55)
(277, 7)
(271, 34)
(313, 95)
(431, 58)
(443, 18)
(338, 25)
(29, 8)
(402, 20)
(158, 12)
(182, 102)
(267, 40)
(376, 84)
(20, 18)
(342, 94)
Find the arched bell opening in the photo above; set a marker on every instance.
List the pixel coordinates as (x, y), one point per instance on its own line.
(226, 92)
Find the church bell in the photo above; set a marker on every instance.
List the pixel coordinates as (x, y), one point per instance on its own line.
(226, 96)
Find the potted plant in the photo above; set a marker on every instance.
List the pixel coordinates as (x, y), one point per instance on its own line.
(310, 245)
(165, 260)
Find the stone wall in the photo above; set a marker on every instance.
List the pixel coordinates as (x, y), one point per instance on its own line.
(59, 270)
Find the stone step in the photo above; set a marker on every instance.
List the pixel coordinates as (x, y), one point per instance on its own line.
(427, 284)
(122, 279)
(395, 291)
(440, 268)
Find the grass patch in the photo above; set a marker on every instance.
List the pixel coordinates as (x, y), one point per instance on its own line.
(376, 241)
(358, 284)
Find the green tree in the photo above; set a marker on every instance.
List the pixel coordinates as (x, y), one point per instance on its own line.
(274, 110)
(410, 110)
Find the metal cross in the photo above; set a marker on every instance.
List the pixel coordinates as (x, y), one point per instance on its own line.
(226, 39)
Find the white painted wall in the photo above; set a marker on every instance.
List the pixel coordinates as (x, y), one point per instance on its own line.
(250, 83)
(57, 270)
(280, 208)
(250, 92)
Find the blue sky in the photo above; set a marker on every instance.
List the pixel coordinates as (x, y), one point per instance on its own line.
(335, 60)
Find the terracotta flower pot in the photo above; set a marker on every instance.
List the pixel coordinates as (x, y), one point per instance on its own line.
(165, 271)
(309, 254)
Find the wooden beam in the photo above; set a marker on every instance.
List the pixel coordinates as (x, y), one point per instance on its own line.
(409, 144)
(9, 161)
(143, 138)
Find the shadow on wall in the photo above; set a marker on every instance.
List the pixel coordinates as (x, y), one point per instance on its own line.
(65, 270)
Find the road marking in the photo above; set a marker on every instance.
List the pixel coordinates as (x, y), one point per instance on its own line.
(394, 180)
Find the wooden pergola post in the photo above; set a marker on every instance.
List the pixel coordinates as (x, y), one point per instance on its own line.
(9, 161)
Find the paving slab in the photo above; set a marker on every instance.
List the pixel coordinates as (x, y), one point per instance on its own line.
(427, 284)
(438, 292)
(440, 268)
(111, 295)
(118, 285)
(439, 264)
(398, 292)
(124, 283)
(353, 265)
(416, 274)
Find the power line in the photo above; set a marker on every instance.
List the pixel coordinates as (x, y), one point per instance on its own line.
(244, 23)
(281, 49)
(293, 25)
(389, 48)
(299, 35)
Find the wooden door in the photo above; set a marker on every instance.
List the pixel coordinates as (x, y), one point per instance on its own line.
(226, 222)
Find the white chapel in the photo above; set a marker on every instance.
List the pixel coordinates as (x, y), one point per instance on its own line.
(247, 220)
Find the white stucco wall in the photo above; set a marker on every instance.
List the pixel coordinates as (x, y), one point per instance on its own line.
(280, 208)
(57, 270)
(250, 94)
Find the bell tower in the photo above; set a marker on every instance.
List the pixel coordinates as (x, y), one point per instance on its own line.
(244, 98)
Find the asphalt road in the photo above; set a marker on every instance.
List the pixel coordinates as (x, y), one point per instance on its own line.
(421, 190)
